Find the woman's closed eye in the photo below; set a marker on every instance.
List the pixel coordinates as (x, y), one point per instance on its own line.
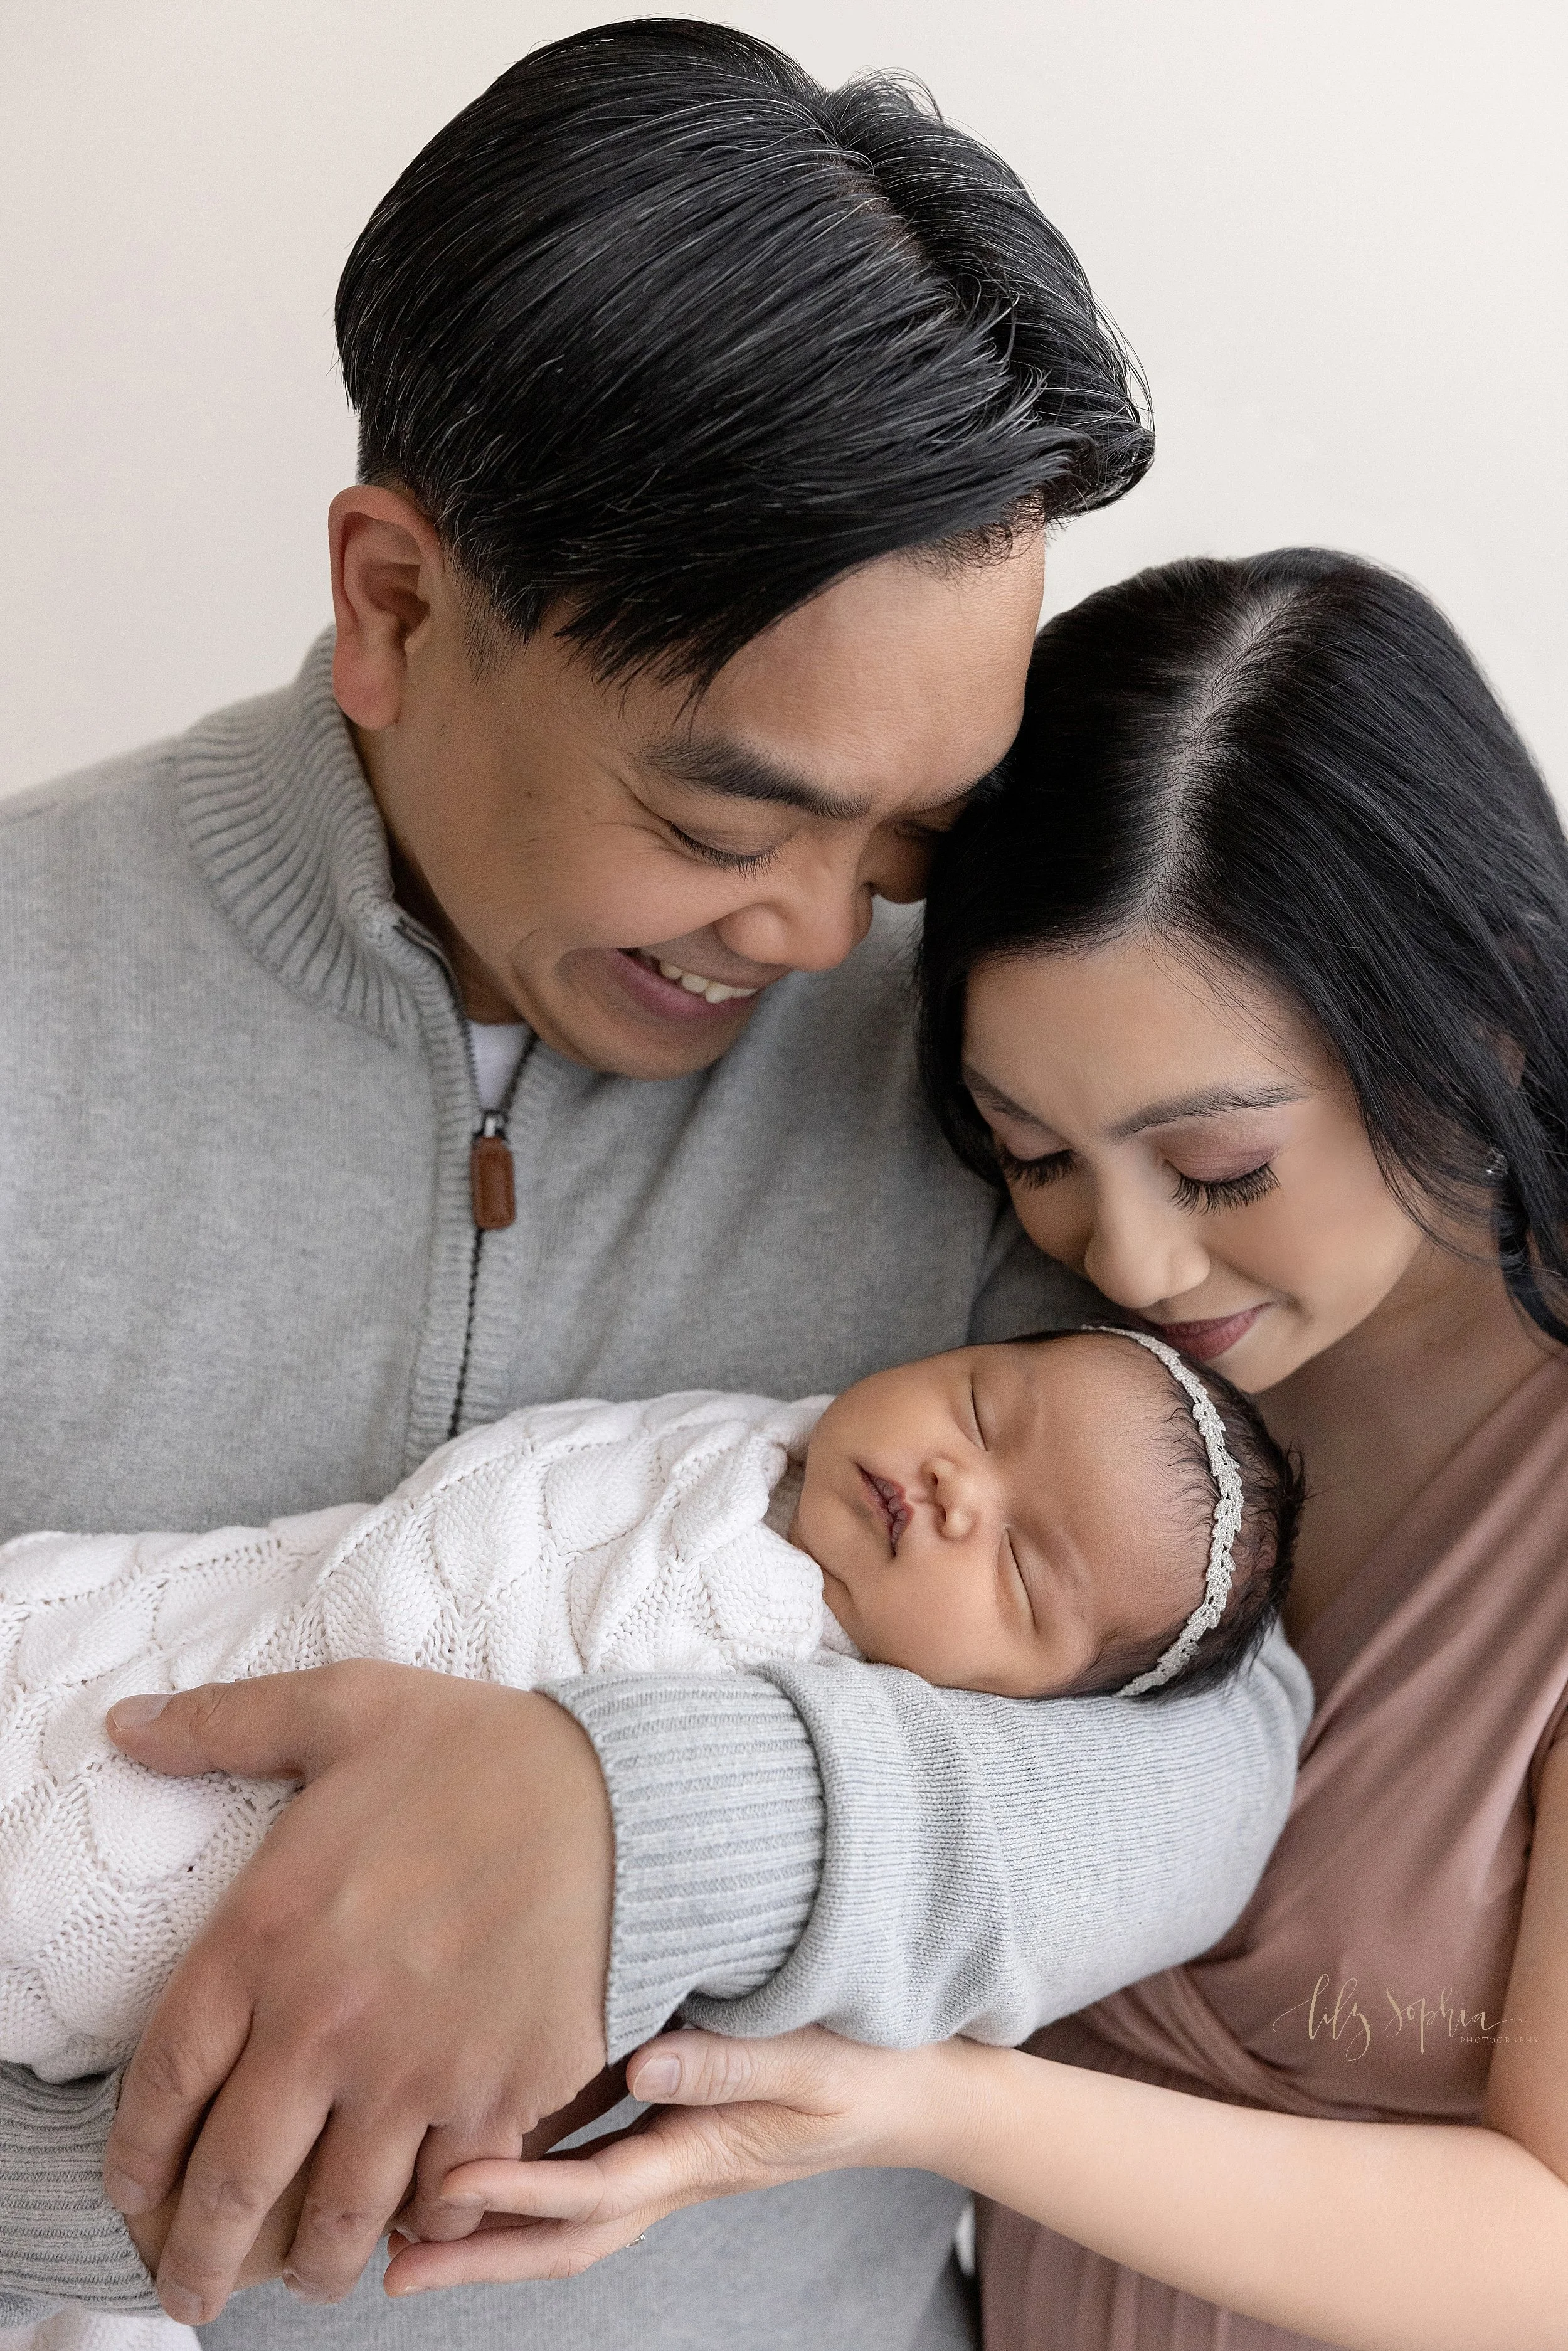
(1032, 1175)
(1199, 1193)
(1205, 1193)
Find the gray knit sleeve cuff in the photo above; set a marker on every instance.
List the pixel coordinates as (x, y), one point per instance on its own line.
(717, 1808)
(59, 2241)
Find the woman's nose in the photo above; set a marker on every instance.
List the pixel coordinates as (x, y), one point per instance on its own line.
(1140, 1255)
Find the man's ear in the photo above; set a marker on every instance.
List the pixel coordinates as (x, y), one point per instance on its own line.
(387, 571)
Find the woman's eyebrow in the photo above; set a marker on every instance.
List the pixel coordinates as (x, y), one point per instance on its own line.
(1208, 1102)
(979, 1084)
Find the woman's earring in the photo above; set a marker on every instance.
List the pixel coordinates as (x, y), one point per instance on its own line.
(1496, 1167)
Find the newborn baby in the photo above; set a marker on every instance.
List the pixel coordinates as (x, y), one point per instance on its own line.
(1053, 1517)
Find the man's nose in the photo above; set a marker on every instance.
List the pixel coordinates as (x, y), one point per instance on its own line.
(808, 927)
(1142, 1253)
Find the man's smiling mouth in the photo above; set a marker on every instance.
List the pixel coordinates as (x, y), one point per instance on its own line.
(695, 983)
(888, 1501)
(671, 993)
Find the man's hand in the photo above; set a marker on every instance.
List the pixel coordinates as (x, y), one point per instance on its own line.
(149, 2233)
(410, 1971)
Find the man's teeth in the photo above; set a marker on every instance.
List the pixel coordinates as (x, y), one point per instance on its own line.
(696, 985)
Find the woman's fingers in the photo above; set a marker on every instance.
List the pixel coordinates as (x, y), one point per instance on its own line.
(431, 2214)
(561, 2190)
(556, 2218)
(705, 2069)
(570, 2212)
(732, 2115)
(509, 2254)
(672, 2159)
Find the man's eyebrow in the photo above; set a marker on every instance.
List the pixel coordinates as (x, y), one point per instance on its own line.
(713, 763)
(1208, 1101)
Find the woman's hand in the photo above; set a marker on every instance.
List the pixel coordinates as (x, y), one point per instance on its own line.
(757, 2113)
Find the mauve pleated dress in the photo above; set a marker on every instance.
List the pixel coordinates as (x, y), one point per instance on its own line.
(1368, 1977)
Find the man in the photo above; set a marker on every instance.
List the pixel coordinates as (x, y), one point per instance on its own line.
(502, 1013)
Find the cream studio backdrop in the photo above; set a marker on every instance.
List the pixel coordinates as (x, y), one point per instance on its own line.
(1334, 230)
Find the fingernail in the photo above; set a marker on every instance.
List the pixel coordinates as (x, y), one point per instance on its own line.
(126, 2195)
(658, 2078)
(134, 1713)
(179, 2304)
(302, 2289)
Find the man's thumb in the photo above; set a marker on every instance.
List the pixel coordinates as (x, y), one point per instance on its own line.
(275, 1728)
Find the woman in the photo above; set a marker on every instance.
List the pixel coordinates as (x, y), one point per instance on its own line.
(1251, 984)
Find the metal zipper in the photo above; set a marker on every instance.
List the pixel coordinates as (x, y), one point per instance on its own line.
(491, 1168)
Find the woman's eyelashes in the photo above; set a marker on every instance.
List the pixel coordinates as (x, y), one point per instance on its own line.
(1031, 1174)
(1225, 1191)
(1199, 1193)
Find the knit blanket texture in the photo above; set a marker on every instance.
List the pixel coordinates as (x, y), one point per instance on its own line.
(567, 1539)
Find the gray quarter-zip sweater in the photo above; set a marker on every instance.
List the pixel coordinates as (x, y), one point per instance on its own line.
(240, 1275)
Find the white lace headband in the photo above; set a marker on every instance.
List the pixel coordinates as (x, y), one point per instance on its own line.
(1227, 1475)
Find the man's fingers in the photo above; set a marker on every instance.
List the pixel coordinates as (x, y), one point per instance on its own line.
(236, 2172)
(168, 2083)
(358, 2181)
(278, 1727)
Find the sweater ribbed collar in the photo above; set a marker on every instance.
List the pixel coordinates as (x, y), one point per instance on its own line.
(282, 824)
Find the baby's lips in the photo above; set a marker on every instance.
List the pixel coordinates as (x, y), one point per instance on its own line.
(890, 1501)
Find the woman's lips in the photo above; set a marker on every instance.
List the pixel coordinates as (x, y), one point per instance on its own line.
(888, 1501)
(1211, 1338)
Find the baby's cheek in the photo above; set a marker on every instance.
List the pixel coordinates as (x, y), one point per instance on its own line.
(935, 1630)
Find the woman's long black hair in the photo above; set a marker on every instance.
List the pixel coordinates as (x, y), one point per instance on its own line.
(1291, 762)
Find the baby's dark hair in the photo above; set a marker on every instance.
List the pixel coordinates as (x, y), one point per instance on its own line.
(1274, 1494)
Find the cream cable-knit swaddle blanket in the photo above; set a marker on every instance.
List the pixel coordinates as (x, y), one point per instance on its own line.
(567, 1539)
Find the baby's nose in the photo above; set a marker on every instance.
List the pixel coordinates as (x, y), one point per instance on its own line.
(954, 1497)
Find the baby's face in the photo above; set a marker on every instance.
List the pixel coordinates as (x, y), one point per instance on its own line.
(1002, 1518)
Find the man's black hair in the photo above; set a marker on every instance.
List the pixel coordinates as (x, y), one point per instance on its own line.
(660, 331)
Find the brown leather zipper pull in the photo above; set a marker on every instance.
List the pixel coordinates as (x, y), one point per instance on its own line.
(492, 1178)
